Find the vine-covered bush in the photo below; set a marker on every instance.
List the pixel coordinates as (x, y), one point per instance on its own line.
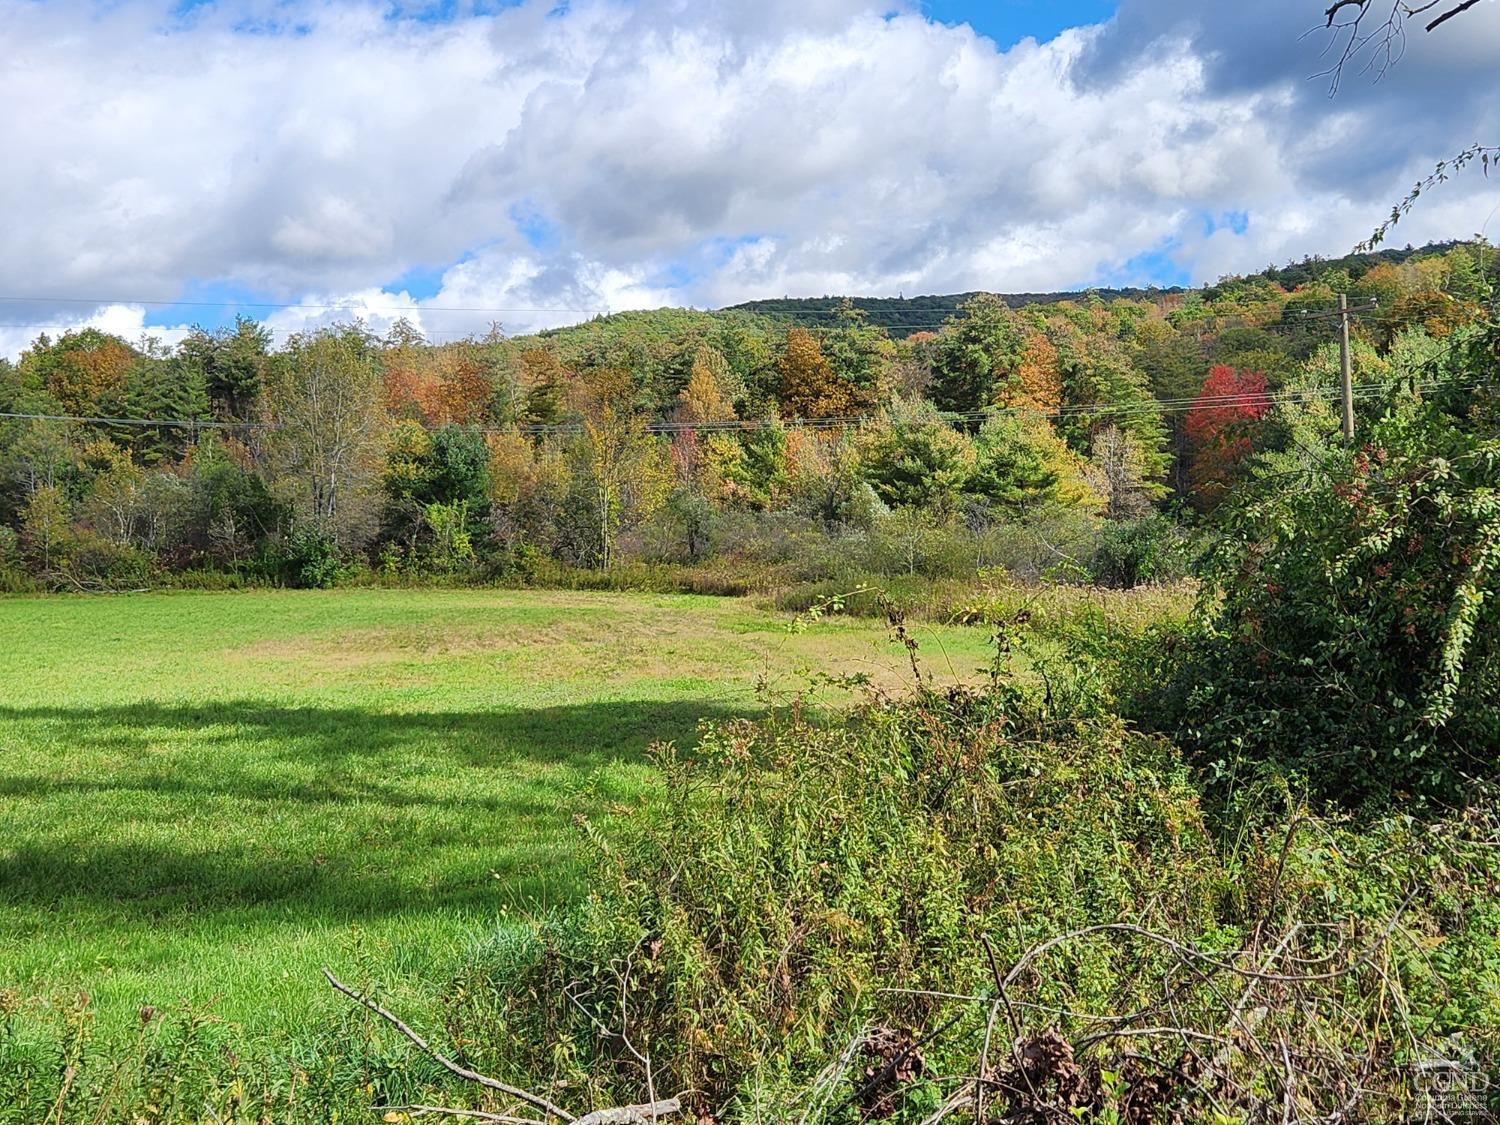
(1350, 631)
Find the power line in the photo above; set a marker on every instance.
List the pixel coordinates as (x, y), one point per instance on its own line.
(180, 423)
(847, 421)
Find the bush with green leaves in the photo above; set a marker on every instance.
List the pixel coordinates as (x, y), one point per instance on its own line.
(1350, 629)
(1136, 552)
(308, 559)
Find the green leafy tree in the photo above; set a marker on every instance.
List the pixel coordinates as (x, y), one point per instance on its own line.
(41, 454)
(323, 394)
(911, 456)
(976, 356)
(754, 465)
(45, 527)
(230, 512)
(452, 547)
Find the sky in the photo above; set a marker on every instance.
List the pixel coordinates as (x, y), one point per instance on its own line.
(534, 162)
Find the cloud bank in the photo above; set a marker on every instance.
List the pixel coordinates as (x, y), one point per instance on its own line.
(536, 164)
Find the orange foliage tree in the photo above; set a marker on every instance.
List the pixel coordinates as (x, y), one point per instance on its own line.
(436, 388)
(1038, 384)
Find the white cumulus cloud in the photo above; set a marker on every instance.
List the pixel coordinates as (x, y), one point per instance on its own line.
(546, 163)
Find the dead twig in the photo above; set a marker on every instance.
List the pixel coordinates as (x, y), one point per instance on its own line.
(533, 1100)
(450, 1111)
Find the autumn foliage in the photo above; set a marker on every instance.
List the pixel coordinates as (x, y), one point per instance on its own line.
(810, 388)
(453, 390)
(1221, 429)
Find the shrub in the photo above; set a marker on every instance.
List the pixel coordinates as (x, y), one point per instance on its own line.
(798, 890)
(792, 874)
(308, 559)
(1349, 632)
(1135, 552)
(13, 577)
(94, 563)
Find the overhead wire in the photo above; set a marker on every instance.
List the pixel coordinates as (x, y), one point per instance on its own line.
(1080, 410)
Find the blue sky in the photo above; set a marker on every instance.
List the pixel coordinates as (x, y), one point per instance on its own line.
(1009, 21)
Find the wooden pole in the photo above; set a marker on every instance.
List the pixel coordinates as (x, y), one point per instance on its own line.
(1346, 374)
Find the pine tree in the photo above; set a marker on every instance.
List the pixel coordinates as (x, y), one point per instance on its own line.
(975, 356)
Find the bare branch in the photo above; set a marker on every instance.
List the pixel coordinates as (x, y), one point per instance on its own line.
(1451, 12)
(533, 1100)
(632, 1114)
(1346, 20)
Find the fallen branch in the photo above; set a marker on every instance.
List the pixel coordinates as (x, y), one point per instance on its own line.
(533, 1100)
(618, 1115)
(632, 1114)
(450, 1111)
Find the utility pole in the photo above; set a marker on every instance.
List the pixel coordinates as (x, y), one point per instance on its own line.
(1346, 375)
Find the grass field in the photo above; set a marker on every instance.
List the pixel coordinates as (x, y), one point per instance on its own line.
(209, 795)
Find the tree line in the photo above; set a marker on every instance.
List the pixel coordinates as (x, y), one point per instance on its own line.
(681, 435)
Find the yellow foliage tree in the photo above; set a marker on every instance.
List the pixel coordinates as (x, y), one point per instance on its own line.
(810, 388)
(704, 399)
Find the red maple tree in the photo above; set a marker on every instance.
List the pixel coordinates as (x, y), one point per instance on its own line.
(1221, 426)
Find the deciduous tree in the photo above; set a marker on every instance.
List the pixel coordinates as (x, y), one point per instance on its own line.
(810, 388)
(324, 398)
(1222, 427)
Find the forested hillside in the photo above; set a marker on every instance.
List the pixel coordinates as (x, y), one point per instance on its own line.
(904, 316)
(926, 436)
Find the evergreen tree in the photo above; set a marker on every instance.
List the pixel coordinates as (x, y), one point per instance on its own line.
(234, 364)
(1021, 464)
(975, 356)
(857, 352)
(173, 389)
(911, 456)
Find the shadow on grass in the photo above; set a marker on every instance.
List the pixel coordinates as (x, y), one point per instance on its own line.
(317, 813)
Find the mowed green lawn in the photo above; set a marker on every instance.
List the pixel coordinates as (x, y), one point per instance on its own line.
(207, 796)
